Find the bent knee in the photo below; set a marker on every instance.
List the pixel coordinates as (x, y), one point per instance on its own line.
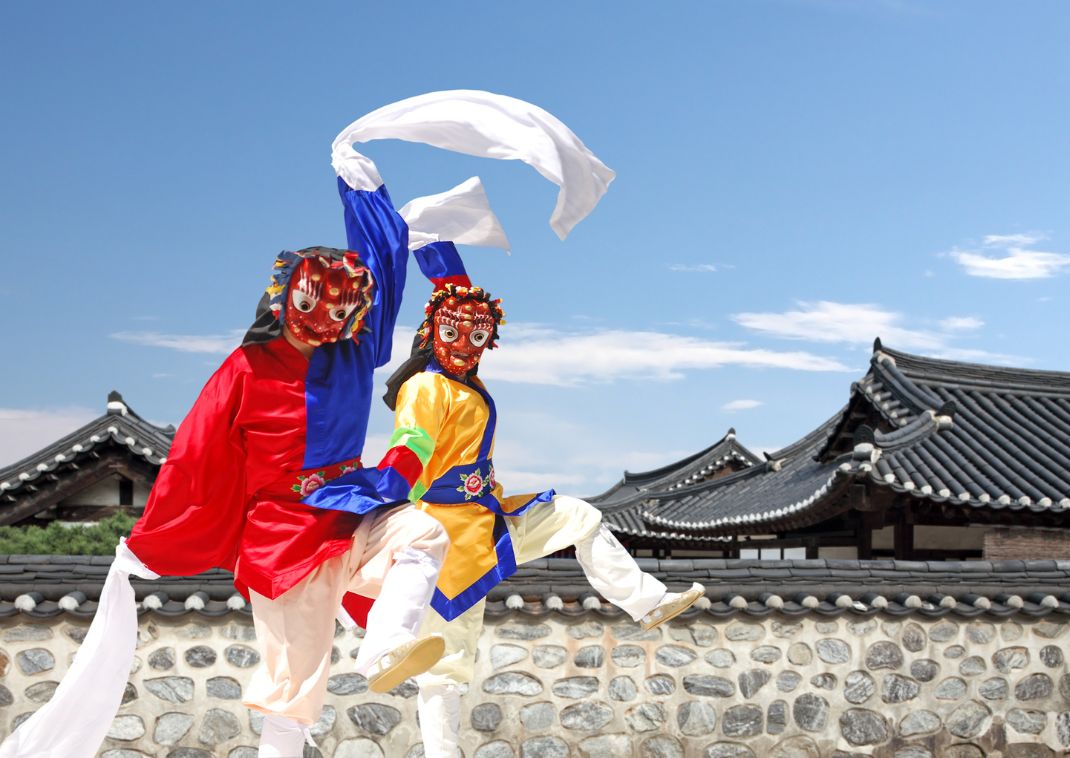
(424, 532)
(585, 516)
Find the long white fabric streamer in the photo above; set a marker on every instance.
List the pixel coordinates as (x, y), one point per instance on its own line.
(461, 215)
(488, 126)
(75, 721)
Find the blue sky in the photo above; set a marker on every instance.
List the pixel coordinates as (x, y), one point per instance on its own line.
(794, 178)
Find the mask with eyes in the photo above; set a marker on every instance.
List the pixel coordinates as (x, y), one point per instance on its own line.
(461, 323)
(320, 300)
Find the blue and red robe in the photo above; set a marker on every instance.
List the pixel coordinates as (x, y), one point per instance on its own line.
(267, 428)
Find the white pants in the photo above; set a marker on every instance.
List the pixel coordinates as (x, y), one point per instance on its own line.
(545, 529)
(395, 556)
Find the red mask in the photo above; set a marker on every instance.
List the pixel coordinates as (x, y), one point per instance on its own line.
(462, 331)
(319, 301)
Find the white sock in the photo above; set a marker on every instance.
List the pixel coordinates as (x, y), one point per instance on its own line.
(399, 610)
(439, 706)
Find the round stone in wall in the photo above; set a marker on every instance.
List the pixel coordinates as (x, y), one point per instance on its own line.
(776, 718)
(1010, 658)
(954, 651)
(374, 718)
(951, 688)
(1028, 750)
(190, 752)
(1051, 656)
(127, 728)
(971, 719)
(35, 660)
(242, 656)
(347, 684)
(827, 627)
(224, 688)
(200, 656)
(883, 655)
(799, 654)
(720, 658)
(861, 628)
(661, 746)
(859, 687)
(162, 659)
(785, 629)
(407, 689)
(496, 749)
(914, 638)
(787, 681)
(628, 656)
(121, 753)
(1034, 687)
(544, 747)
(1049, 630)
(171, 727)
(217, 727)
(752, 681)
(1010, 631)
(727, 750)
(6, 698)
(1062, 728)
(505, 655)
(512, 683)
(913, 751)
(744, 632)
(629, 632)
(1027, 722)
(171, 689)
(674, 656)
(325, 723)
(660, 684)
(980, 632)
(823, 681)
(795, 747)
(41, 692)
(549, 656)
(898, 689)
(833, 651)
(811, 712)
(1064, 687)
(743, 721)
(486, 717)
(706, 685)
(995, 688)
(590, 657)
(919, 722)
(972, 666)
(860, 726)
(944, 631)
(575, 687)
(698, 633)
(924, 669)
(521, 631)
(622, 689)
(605, 746)
(765, 654)
(586, 630)
(645, 717)
(538, 716)
(696, 719)
(27, 633)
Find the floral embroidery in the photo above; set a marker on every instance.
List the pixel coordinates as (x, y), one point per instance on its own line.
(491, 481)
(345, 468)
(472, 485)
(308, 484)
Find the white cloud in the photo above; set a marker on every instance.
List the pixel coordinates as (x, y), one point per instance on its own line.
(704, 268)
(535, 354)
(1007, 256)
(857, 324)
(25, 431)
(215, 344)
(961, 323)
(741, 405)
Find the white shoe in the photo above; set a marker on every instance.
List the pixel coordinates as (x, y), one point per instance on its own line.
(671, 606)
(395, 666)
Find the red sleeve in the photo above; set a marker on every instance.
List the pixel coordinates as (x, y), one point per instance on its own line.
(196, 510)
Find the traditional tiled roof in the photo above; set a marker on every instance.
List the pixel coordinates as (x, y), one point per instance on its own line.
(942, 431)
(47, 586)
(118, 430)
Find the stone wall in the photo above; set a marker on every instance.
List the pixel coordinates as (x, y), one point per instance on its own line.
(551, 685)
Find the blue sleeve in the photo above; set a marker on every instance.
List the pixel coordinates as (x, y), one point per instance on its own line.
(381, 237)
(441, 264)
